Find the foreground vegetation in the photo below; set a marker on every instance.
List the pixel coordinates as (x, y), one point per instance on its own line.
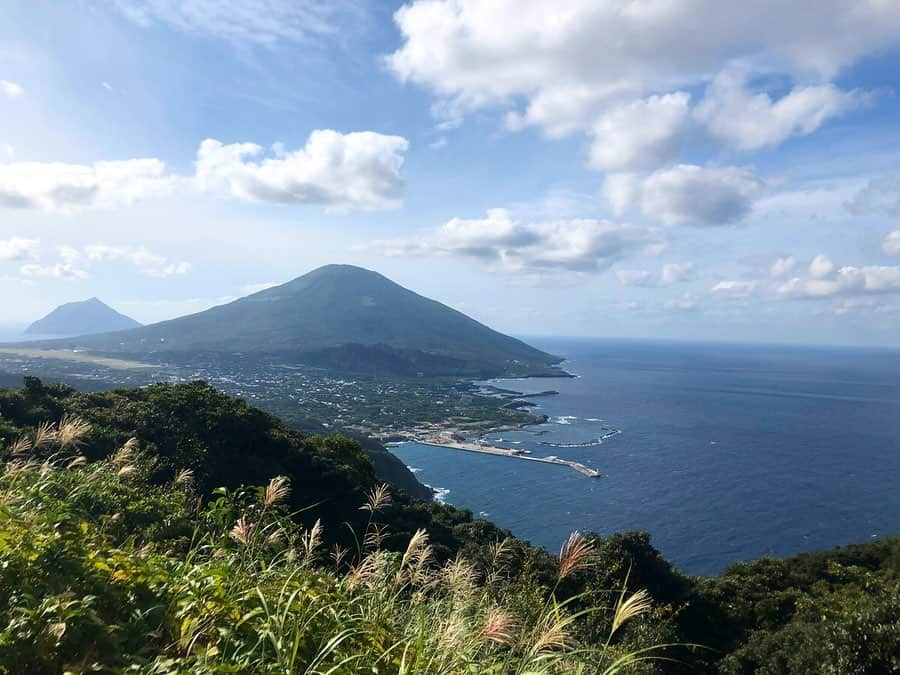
(103, 571)
(143, 531)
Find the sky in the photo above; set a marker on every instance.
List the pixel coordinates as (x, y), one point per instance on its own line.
(677, 169)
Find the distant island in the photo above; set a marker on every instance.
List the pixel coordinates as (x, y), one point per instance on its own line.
(337, 317)
(82, 318)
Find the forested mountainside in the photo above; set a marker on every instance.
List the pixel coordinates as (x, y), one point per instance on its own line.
(175, 529)
(339, 317)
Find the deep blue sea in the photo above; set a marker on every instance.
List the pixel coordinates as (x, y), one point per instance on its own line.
(727, 452)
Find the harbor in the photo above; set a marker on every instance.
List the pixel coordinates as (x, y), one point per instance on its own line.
(453, 442)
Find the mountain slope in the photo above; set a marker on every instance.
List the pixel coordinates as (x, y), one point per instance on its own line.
(82, 318)
(343, 317)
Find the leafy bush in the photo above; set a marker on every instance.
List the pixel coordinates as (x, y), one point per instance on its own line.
(103, 570)
(124, 563)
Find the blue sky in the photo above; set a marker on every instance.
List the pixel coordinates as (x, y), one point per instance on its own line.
(695, 169)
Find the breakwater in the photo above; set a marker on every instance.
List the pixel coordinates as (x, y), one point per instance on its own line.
(485, 449)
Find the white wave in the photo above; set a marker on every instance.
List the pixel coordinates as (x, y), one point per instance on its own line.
(440, 494)
(413, 469)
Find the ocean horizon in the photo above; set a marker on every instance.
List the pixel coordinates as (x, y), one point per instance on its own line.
(727, 451)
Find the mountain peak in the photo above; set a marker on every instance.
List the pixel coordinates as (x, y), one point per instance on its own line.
(341, 317)
(86, 317)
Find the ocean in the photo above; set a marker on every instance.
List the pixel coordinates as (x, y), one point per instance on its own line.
(726, 452)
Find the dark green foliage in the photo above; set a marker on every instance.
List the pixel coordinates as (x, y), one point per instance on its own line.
(832, 612)
(228, 443)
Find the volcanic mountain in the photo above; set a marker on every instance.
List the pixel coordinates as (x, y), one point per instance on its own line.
(340, 317)
(82, 318)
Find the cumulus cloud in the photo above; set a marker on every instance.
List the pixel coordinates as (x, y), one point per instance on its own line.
(11, 89)
(669, 275)
(16, 249)
(674, 273)
(567, 58)
(820, 279)
(837, 289)
(56, 186)
(641, 134)
(359, 170)
(749, 121)
(246, 21)
(891, 243)
(55, 271)
(848, 280)
(735, 288)
(583, 245)
(782, 267)
(821, 267)
(686, 194)
(149, 263)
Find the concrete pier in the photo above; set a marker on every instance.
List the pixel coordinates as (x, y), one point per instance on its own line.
(508, 452)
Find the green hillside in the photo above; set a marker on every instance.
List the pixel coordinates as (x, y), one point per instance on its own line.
(340, 317)
(172, 529)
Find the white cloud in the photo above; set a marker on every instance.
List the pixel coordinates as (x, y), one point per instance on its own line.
(674, 273)
(439, 144)
(55, 186)
(822, 279)
(69, 254)
(750, 121)
(891, 243)
(11, 89)
(880, 195)
(563, 109)
(640, 134)
(148, 263)
(250, 21)
(641, 278)
(686, 194)
(359, 170)
(168, 270)
(16, 249)
(104, 252)
(57, 271)
(670, 274)
(686, 303)
(735, 288)
(583, 245)
(847, 280)
(567, 58)
(782, 267)
(821, 267)
(250, 289)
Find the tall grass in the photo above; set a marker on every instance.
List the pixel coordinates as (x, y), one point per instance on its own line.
(104, 570)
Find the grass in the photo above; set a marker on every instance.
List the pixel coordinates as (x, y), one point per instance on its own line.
(103, 570)
(76, 356)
